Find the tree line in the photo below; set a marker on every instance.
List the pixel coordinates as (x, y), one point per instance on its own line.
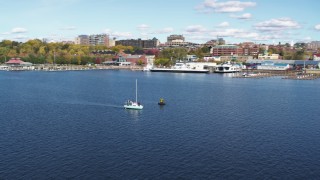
(39, 52)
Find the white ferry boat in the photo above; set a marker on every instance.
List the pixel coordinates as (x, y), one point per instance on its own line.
(227, 68)
(181, 68)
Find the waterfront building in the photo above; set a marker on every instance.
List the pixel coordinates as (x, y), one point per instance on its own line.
(18, 64)
(267, 56)
(192, 58)
(294, 64)
(270, 65)
(235, 58)
(150, 43)
(136, 59)
(150, 59)
(212, 58)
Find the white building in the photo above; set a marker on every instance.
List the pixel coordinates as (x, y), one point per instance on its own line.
(270, 65)
(268, 57)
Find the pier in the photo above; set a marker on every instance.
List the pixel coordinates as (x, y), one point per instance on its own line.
(293, 75)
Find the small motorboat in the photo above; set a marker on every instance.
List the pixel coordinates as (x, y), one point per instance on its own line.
(161, 102)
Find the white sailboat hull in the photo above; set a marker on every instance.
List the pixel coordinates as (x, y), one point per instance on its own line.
(138, 107)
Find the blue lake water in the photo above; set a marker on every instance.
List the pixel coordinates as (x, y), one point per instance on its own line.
(59, 125)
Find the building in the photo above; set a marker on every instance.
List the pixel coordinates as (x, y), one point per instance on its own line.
(112, 42)
(235, 58)
(192, 58)
(269, 57)
(250, 49)
(314, 45)
(175, 37)
(215, 42)
(270, 65)
(176, 40)
(136, 59)
(93, 40)
(211, 58)
(151, 43)
(223, 50)
(99, 39)
(82, 39)
(18, 64)
(294, 64)
(316, 57)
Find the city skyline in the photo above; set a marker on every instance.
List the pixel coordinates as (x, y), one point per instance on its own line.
(198, 21)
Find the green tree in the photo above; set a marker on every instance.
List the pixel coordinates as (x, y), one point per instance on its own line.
(163, 62)
(140, 62)
(299, 55)
(3, 53)
(174, 54)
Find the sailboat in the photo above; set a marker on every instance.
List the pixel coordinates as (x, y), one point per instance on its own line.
(134, 105)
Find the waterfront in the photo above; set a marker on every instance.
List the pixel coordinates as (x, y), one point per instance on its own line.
(72, 124)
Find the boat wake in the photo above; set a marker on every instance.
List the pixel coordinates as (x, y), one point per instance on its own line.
(94, 104)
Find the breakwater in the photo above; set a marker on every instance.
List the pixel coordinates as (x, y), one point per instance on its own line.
(293, 75)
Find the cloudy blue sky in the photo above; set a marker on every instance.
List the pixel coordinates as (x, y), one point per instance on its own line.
(260, 21)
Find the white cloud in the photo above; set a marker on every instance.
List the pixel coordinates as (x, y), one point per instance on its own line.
(224, 7)
(317, 27)
(20, 37)
(164, 30)
(19, 30)
(195, 29)
(243, 16)
(118, 34)
(5, 33)
(223, 24)
(228, 32)
(69, 28)
(108, 31)
(277, 25)
(121, 34)
(143, 27)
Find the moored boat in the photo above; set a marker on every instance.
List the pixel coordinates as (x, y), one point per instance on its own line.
(227, 68)
(180, 68)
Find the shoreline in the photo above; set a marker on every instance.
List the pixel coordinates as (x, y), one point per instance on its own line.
(254, 74)
(70, 68)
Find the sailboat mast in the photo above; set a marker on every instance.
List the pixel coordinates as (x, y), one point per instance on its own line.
(136, 90)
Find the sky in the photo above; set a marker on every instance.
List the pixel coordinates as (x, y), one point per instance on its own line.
(259, 21)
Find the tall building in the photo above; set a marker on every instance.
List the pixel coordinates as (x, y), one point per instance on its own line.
(99, 39)
(175, 37)
(151, 43)
(82, 39)
(176, 40)
(93, 40)
(221, 41)
(313, 45)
